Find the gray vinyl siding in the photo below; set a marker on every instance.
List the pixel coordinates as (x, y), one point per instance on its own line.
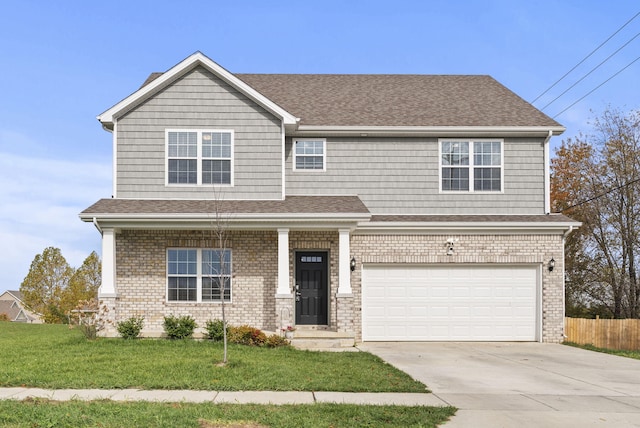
(199, 100)
(400, 176)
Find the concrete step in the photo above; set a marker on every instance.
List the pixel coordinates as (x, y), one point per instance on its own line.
(323, 340)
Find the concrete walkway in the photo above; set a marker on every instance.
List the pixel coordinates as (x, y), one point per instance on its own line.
(237, 397)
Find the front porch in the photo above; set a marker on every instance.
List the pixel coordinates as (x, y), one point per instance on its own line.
(266, 267)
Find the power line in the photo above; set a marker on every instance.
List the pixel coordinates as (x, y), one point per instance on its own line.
(591, 71)
(629, 183)
(597, 87)
(585, 58)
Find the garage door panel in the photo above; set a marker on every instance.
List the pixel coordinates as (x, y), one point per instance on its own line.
(470, 302)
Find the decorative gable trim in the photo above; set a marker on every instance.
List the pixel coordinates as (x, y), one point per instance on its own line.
(197, 59)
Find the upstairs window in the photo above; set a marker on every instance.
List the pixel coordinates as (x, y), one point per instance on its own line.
(309, 155)
(199, 157)
(471, 166)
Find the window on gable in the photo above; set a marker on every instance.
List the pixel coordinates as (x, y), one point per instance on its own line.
(471, 166)
(199, 157)
(309, 155)
(198, 275)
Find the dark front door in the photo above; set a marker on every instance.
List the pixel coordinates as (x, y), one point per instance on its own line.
(312, 292)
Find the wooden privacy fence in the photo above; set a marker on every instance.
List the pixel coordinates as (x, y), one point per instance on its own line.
(604, 333)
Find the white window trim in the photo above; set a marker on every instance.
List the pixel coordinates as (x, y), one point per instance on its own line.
(471, 165)
(199, 157)
(199, 277)
(324, 154)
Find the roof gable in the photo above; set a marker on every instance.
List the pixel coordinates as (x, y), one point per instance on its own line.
(442, 105)
(158, 81)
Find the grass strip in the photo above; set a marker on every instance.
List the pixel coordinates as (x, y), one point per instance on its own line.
(620, 353)
(106, 414)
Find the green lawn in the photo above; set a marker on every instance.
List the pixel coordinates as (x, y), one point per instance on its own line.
(628, 354)
(39, 413)
(53, 356)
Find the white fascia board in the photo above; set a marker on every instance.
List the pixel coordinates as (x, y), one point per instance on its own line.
(181, 68)
(465, 227)
(434, 131)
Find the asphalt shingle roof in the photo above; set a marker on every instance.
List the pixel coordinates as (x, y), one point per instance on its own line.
(291, 205)
(397, 100)
(534, 218)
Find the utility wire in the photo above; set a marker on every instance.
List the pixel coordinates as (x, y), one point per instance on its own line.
(629, 183)
(585, 58)
(597, 87)
(591, 71)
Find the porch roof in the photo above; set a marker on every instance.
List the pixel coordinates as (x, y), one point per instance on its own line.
(324, 211)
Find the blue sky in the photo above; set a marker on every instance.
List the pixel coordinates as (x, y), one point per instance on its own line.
(62, 63)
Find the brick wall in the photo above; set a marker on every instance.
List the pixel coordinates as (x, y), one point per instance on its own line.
(141, 273)
(487, 249)
(141, 283)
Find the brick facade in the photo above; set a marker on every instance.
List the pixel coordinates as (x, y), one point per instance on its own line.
(536, 249)
(141, 273)
(141, 282)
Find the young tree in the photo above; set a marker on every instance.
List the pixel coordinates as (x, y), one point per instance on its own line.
(218, 264)
(42, 288)
(596, 180)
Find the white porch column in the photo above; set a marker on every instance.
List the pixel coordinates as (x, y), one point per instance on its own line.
(344, 263)
(108, 286)
(283, 262)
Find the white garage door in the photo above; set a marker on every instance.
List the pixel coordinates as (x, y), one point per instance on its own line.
(449, 303)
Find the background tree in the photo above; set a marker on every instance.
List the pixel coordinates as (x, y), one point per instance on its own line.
(42, 288)
(596, 180)
(83, 284)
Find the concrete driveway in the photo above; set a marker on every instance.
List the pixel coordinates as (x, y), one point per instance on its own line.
(522, 384)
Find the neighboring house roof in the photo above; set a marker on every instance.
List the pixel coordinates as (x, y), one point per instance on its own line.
(343, 103)
(14, 311)
(15, 293)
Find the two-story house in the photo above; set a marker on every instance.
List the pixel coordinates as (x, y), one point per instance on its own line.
(388, 207)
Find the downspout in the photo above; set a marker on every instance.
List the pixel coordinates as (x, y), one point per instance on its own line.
(95, 223)
(547, 175)
(283, 176)
(564, 286)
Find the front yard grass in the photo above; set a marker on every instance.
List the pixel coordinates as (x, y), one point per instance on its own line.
(56, 357)
(42, 413)
(628, 354)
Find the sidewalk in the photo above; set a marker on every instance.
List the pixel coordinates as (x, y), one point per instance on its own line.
(238, 397)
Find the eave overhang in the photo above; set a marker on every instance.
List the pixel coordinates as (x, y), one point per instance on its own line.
(197, 59)
(498, 227)
(230, 221)
(425, 131)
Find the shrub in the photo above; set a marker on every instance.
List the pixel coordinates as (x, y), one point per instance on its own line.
(91, 317)
(214, 330)
(4, 317)
(131, 328)
(179, 327)
(246, 335)
(275, 340)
